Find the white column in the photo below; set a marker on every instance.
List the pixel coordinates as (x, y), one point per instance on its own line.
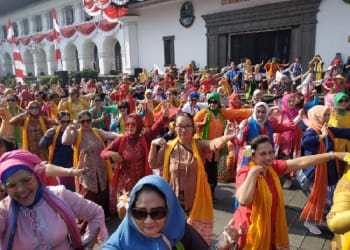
(131, 52)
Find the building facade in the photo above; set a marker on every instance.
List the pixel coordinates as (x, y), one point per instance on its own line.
(157, 32)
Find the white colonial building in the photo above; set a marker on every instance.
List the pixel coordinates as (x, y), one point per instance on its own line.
(214, 31)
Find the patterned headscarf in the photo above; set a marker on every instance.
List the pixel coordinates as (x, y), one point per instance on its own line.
(315, 116)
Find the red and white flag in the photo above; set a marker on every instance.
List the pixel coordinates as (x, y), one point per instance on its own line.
(56, 34)
(17, 58)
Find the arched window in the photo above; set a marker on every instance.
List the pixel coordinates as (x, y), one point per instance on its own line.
(69, 15)
(118, 58)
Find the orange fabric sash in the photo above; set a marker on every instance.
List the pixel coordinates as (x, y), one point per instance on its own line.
(201, 219)
(314, 208)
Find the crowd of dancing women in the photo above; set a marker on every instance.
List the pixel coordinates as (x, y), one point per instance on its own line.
(151, 150)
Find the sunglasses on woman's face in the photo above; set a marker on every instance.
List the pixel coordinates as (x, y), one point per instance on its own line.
(11, 100)
(156, 213)
(121, 107)
(343, 101)
(85, 121)
(98, 100)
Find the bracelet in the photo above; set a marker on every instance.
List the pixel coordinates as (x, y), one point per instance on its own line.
(332, 154)
(70, 171)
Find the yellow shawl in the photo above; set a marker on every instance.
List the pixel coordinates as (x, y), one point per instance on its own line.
(346, 237)
(76, 151)
(53, 144)
(25, 144)
(201, 216)
(82, 102)
(259, 232)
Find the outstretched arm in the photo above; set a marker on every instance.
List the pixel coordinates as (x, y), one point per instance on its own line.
(312, 160)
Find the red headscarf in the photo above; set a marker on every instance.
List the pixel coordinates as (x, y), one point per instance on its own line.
(231, 103)
(139, 124)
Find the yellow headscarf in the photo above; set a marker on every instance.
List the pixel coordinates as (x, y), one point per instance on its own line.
(201, 219)
(259, 232)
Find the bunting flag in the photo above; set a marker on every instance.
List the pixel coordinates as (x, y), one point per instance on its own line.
(17, 58)
(110, 9)
(56, 34)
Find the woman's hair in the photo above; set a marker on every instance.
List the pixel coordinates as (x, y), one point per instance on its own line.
(184, 114)
(84, 112)
(53, 95)
(260, 139)
(9, 146)
(151, 188)
(61, 114)
(126, 104)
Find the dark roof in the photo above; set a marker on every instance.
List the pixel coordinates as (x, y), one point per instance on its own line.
(8, 6)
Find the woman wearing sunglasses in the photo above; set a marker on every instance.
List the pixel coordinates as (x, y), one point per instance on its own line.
(340, 118)
(118, 122)
(101, 115)
(74, 103)
(34, 126)
(130, 153)
(59, 154)
(34, 216)
(93, 183)
(183, 167)
(154, 220)
(7, 131)
(211, 123)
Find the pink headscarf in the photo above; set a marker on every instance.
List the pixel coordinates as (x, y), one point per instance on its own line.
(290, 112)
(21, 157)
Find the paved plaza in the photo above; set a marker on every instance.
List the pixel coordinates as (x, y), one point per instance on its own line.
(299, 237)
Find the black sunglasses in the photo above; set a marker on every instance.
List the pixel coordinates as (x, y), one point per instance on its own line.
(212, 101)
(156, 213)
(11, 100)
(121, 107)
(85, 121)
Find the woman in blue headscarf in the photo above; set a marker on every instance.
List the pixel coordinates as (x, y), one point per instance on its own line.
(155, 220)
